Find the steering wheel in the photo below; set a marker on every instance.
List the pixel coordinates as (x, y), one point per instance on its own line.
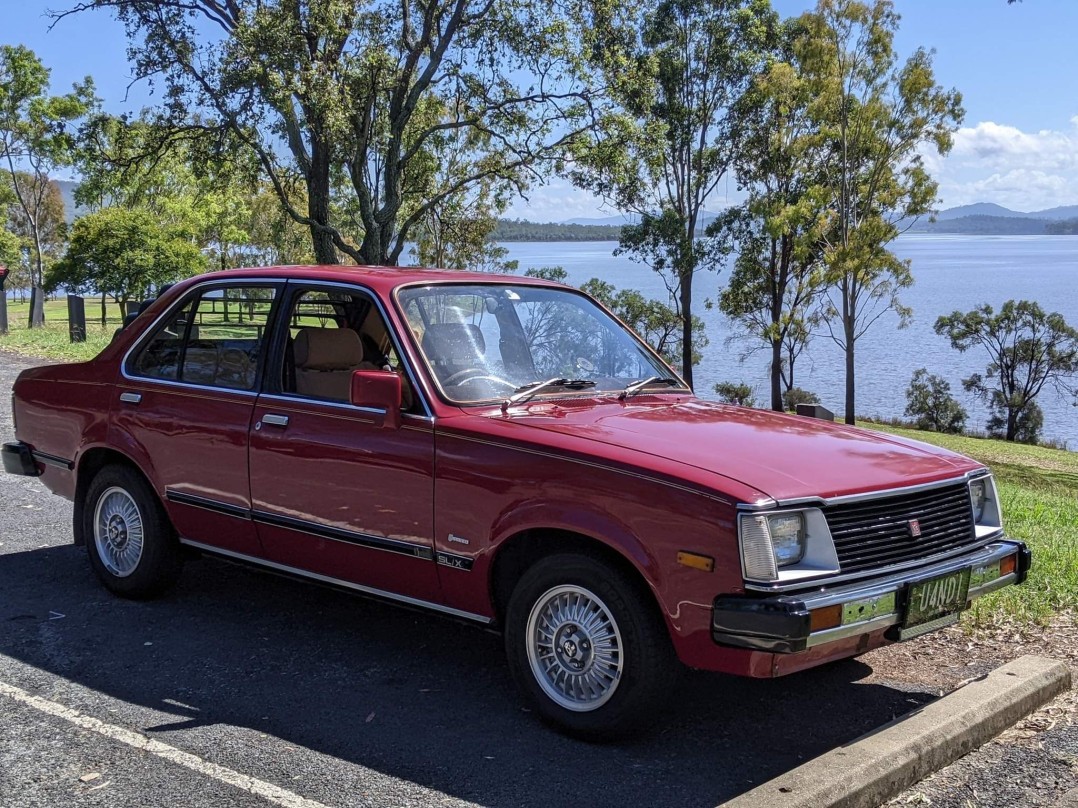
(476, 374)
(462, 376)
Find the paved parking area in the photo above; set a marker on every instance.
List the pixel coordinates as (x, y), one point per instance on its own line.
(242, 688)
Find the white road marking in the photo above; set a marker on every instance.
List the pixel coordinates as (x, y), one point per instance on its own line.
(252, 785)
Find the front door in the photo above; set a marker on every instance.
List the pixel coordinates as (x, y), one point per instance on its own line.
(334, 493)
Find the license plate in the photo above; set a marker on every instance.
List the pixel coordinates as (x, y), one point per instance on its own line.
(937, 597)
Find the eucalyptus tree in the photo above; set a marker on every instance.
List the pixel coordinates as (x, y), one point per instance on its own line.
(1028, 349)
(350, 97)
(665, 144)
(777, 275)
(37, 137)
(879, 117)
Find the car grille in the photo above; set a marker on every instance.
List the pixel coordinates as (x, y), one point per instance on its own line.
(876, 533)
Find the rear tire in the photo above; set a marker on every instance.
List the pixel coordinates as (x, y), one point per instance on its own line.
(587, 648)
(132, 546)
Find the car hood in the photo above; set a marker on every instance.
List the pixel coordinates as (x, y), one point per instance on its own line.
(785, 456)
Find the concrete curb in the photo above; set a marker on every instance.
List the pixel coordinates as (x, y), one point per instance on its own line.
(881, 764)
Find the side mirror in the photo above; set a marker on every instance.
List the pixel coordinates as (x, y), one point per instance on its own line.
(378, 390)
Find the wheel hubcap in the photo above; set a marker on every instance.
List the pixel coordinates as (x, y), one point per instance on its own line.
(118, 532)
(575, 648)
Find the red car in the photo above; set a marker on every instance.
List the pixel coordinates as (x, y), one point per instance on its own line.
(503, 450)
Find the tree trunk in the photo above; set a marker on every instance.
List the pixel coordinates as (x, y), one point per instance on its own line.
(1012, 423)
(318, 205)
(686, 328)
(104, 310)
(850, 386)
(776, 376)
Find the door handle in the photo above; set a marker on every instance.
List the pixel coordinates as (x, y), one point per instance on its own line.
(131, 398)
(275, 420)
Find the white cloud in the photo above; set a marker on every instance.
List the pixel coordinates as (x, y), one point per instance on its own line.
(994, 162)
(1008, 147)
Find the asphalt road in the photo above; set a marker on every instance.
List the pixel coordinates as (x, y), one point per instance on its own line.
(263, 686)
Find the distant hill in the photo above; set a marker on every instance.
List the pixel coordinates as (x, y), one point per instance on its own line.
(979, 209)
(1057, 214)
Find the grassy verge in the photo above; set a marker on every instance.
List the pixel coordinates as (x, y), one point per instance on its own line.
(52, 340)
(1038, 488)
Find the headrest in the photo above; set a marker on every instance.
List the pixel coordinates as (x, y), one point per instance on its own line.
(327, 349)
(454, 344)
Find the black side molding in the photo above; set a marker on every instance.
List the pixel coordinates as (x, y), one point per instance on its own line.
(19, 459)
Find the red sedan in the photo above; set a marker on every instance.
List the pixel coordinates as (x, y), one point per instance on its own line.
(503, 450)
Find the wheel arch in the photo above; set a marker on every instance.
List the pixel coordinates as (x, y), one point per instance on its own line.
(516, 553)
(90, 462)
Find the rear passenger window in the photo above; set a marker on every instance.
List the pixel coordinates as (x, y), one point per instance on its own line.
(215, 340)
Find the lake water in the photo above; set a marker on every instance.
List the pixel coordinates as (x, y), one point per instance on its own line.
(950, 272)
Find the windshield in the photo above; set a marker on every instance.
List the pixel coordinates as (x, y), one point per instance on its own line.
(487, 342)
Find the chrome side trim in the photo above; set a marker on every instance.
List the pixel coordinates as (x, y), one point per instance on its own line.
(207, 504)
(52, 460)
(367, 590)
(852, 630)
(420, 551)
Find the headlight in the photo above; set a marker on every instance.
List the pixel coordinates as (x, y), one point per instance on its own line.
(770, 542)
(984, 500)
(978, 494)
(787, 538)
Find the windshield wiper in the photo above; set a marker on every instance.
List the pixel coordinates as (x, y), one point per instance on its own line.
(527, 392)
(635, 387)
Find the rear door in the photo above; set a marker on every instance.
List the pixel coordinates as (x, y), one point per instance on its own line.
(184, 405)
(334, 493)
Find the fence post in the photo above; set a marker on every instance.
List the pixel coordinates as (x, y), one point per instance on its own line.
(76, 318)
(3, 300)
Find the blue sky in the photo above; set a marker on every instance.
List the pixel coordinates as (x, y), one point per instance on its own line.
(1016, 66)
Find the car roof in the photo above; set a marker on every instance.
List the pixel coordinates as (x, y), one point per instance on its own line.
(382, 279)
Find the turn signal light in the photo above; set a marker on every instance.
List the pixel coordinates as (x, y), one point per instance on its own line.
(1008, 565)
(696, 561)
(827, 617)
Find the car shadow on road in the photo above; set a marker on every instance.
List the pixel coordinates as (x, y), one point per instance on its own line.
(409, 695)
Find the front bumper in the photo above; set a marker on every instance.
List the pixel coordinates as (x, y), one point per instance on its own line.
(784, 623)
(19, 459)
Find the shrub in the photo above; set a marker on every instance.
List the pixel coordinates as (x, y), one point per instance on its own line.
(795, 395)
(1027, 421)
(735, 393)
(930, 403)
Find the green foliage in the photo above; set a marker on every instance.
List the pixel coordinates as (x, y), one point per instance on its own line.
(877, 118)
(36, 137)
(778, 231)
(520, 230)
(657, 323)
(552, 274)
(675, 72)
(795, 395)
(737, 393)
(930, 403)
(125, 254)
(381, 114)
(1027, 350)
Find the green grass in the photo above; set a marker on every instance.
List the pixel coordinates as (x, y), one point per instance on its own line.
(52, 341)
(1038, 488)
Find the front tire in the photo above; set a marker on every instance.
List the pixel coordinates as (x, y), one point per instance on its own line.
(587, 647)
(130, 542)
